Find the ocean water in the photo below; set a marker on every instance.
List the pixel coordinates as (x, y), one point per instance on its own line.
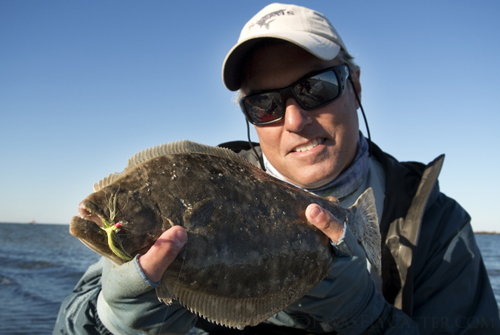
(40, 264)
(490, 250)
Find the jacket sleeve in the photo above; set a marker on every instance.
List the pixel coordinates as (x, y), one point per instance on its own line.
(78, 313)
(126, 313)
(128, 304)
(452, 292)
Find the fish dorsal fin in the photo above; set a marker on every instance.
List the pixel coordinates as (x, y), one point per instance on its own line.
(178, 147)
(181, 147)
(106, 181)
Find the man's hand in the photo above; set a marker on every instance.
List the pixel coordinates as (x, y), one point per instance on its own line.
(162, 253)
(346, 300)
(128, 300)
(325, 222)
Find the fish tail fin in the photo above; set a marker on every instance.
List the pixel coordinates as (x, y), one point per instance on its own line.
(364, 224)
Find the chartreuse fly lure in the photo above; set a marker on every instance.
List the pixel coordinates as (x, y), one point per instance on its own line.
(111, 228)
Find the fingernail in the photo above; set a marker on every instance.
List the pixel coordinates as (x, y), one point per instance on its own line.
(315, 213)
(181, 236)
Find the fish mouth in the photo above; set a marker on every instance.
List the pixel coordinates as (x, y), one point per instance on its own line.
(98, 232)
(93, 237)
(107, 234)
(86, 211)
(309, 145)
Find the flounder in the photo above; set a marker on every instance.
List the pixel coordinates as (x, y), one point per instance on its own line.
(250, 251)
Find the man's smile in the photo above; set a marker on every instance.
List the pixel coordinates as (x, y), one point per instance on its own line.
(310, 145)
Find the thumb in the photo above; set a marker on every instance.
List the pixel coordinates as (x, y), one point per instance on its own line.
(154, 262)
(325, 221)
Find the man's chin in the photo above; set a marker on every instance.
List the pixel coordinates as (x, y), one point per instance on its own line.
(310, 178)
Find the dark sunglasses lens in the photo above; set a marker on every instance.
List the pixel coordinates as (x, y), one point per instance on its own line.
(263, 108)
(317, 90)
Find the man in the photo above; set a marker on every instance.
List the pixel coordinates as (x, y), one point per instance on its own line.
(301, 89)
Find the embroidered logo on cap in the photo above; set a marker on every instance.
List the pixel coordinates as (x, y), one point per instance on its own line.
(267, 19)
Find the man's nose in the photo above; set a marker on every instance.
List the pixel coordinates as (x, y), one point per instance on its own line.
(296, 118)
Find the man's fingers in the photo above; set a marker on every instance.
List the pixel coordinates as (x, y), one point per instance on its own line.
(325, 222)
(162, 253)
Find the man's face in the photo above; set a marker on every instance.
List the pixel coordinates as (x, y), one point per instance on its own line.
(309, 148)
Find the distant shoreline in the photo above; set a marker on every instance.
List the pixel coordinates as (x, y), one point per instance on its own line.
(486, 233)
(36, 223)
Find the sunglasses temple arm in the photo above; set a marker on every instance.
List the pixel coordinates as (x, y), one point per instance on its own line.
(364, 117)
(259, 157)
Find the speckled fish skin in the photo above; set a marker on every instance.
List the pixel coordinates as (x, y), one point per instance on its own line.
(250, 250)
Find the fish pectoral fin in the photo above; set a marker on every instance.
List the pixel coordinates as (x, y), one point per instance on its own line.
(364, 224)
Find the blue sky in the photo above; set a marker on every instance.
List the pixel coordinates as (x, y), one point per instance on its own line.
(86, 84)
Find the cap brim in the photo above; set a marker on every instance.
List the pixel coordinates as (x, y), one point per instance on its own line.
(233, 64)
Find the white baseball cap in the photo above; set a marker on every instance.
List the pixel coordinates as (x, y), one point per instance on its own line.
(301, 26)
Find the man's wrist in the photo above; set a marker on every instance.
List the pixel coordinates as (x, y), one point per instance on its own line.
(141, 273)
(341, 239)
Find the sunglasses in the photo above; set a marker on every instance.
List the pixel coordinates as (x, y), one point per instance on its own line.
(311, 92)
